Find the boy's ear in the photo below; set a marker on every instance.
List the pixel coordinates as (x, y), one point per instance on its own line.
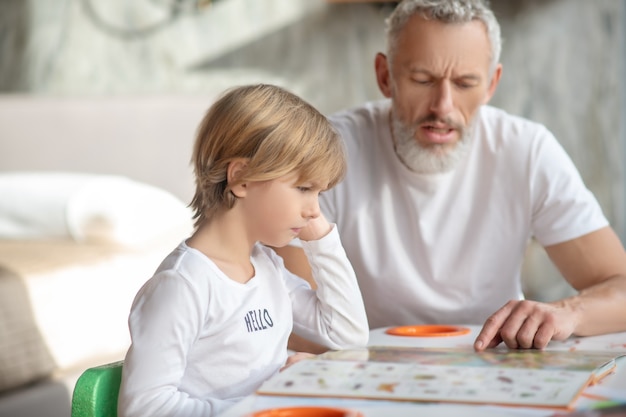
(233, 172)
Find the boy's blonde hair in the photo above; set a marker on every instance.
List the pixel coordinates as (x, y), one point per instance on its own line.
(278, 132)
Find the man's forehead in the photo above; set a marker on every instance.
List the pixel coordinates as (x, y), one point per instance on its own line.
(435, 46)
(424, 30)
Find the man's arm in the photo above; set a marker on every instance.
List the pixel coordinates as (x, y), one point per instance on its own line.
(595, 265)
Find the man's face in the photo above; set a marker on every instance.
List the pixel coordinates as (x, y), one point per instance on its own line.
(438, 79)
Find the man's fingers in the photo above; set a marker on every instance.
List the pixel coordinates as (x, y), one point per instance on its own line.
(527, 333)
(489, 335)
(518, 332)
(544, 334)
(521, 325)
(524, 324)
(481, 343)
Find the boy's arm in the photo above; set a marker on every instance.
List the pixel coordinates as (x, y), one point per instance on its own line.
(333, 314)
(297, 263)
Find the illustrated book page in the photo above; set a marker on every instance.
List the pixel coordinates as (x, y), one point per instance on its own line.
(506, 377)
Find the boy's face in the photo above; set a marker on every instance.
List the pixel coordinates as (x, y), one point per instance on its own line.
(277, 210)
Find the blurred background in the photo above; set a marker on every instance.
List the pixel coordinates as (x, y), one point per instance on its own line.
(563, 66)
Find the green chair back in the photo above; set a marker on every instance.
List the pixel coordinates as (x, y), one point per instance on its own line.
(96, 391)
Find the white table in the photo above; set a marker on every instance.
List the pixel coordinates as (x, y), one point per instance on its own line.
(611, 387)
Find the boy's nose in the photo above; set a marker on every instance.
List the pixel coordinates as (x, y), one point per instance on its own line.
(312, 210)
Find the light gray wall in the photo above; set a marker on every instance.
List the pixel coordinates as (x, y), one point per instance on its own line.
(623, 123)
(563, 66)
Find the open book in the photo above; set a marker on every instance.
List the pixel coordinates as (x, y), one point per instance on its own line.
(506, 377)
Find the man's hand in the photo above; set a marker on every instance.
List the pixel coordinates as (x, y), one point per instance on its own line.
(527, 324)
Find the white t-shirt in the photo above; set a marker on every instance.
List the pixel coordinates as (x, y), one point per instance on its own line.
(448, 248)
(201, 341)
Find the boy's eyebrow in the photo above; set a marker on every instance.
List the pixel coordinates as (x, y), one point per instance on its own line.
(317, 184)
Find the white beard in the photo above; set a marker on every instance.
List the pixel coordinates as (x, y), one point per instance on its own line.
(433, 159)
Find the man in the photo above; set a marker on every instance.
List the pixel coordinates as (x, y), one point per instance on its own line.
(444, 192)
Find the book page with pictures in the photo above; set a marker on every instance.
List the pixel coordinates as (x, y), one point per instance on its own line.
(506, 377)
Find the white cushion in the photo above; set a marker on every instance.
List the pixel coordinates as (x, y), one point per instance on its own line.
(87, 208)
(24, 356)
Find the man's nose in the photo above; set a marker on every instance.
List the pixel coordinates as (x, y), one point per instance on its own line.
(442, 103)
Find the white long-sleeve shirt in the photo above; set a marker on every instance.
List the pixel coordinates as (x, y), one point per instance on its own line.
(201, 341)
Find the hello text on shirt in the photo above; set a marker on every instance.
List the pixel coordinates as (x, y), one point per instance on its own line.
(257, 320)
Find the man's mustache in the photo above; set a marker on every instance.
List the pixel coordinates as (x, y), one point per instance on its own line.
(433, 118)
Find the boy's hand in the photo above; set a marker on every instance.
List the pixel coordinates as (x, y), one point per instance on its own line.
(296, 357)
(316, 229)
